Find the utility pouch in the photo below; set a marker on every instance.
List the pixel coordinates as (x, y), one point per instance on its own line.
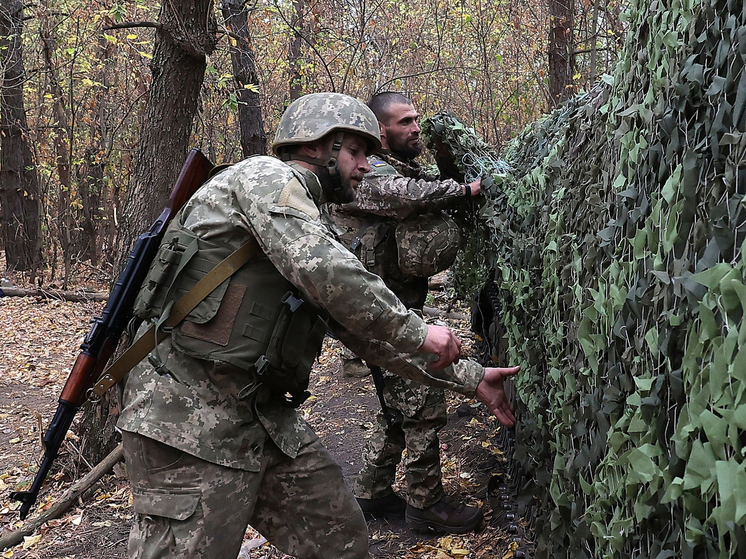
(375, 247)
(173, 254)
(293, 346)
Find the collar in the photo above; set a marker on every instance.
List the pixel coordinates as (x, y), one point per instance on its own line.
(311, 180)
(407, 168)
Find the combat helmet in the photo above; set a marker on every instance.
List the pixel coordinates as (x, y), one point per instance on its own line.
(313, 116)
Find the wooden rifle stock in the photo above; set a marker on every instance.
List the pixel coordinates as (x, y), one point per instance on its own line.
(102, 339)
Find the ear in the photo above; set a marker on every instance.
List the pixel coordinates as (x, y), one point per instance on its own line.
(312, 150)
(384, 141)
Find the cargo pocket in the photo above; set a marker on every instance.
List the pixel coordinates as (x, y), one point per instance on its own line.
(167, 525)
(176, 506)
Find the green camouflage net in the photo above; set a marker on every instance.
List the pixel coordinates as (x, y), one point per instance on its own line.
(613, 234)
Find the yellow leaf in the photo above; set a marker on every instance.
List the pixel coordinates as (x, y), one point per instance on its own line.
(145, 55)
(445, 542)
(460, 551)
(29, 541)
(14, 441)
(132, 36)
(8, 554)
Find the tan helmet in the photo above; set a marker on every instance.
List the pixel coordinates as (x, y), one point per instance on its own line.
(313, 116)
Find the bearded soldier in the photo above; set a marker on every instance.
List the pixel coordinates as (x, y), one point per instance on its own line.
(211, 435)
(396, 227)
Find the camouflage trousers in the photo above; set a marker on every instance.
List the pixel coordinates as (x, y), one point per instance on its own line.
(420, 413)
(189, 508)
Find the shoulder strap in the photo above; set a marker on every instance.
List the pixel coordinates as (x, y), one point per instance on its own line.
(181, 308)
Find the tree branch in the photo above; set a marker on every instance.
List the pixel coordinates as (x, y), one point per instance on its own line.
(131, 24)
(66, 501)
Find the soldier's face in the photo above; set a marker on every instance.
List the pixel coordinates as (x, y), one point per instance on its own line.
(352, 164)
(401, 132)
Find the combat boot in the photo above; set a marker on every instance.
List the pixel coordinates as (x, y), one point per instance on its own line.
(380, 507)
(447, 515)
(354, 368)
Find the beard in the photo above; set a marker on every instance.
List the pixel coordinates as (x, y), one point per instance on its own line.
(337, 190)
(405, 149)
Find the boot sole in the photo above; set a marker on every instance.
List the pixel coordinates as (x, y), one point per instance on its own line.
(430, 526)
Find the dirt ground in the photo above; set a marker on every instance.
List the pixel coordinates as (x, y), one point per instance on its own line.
(40, 340)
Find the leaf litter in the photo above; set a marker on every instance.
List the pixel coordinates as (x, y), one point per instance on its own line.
(41, 341)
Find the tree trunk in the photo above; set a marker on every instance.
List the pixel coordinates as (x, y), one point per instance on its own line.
(61, 143)
(560, 50)
(91, 183)
(253, 136)
(296, 81)
(186, 36)
(20, 222)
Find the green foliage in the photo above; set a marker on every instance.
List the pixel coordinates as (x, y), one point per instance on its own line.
(617, 245)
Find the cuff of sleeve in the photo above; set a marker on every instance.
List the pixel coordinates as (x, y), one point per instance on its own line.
(412, 334)
(471, 374)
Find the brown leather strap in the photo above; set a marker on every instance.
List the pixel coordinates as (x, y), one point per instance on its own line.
(145, 343)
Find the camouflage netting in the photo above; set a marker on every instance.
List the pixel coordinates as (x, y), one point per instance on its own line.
(615, 232)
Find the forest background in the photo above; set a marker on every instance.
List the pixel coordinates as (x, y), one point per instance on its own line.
(93, 131)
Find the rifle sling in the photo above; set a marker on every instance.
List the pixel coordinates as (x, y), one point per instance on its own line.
(145, 343)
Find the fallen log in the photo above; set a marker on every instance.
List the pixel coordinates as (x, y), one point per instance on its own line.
(67, 500)
(53, 294)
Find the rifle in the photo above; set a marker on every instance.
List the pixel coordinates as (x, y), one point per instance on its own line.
(103, 337)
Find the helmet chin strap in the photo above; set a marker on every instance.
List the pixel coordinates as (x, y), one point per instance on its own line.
(328, 164)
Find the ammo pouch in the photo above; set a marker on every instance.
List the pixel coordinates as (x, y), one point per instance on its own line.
(419, 246)
(374, 245)
(256, 320)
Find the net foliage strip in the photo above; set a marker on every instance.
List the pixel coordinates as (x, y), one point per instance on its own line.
(614, 232)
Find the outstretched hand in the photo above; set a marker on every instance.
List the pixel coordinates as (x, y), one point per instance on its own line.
(443, 343)
(491, 393)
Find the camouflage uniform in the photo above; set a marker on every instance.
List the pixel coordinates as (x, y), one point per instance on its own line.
(209, 447)
(396, 192)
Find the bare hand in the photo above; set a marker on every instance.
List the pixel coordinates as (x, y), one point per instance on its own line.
(476, 187)
(491, 393)
(443, 343)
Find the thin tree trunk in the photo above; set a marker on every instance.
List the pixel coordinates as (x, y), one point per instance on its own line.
(20, 221)
(61, 143)
(91, 184)
(251, 124)
(560, 50)
(296, 79)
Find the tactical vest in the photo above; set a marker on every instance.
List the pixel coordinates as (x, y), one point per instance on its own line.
(256, 320)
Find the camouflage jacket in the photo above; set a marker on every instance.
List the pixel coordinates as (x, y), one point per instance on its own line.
(398, 189)
(194, 408)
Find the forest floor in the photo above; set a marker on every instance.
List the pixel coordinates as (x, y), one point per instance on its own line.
(40, 341)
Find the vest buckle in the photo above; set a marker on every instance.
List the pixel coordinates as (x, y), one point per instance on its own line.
(292, 301)
(261, 365)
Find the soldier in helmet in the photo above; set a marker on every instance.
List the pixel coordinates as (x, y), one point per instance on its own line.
(397, 228)
(211, 435)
